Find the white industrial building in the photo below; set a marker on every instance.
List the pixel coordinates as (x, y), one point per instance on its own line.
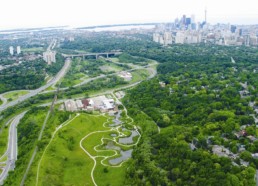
(101, 103)
(79, 104)
(70, 105)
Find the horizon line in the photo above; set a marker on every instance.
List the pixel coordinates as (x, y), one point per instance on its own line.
(100, 25)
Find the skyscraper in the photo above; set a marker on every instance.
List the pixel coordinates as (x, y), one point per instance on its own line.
(184, 19)
(49, 57)
(192, 18)
(11, 50)
(188, 21)
(18, 50)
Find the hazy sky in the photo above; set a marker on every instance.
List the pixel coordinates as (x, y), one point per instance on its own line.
(40, 13)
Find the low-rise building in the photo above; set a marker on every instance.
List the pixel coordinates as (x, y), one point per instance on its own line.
(79, 104)
(70, 105)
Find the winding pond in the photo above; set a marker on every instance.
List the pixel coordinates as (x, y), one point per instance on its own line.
(125, 155)
(128, 140)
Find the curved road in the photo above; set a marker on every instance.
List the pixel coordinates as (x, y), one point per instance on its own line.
(60, 74)
(12, 149)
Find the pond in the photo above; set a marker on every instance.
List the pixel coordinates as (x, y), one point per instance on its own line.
(125, 155)
(128, 140)
(116, 120)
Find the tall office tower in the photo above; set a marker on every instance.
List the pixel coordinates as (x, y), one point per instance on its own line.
(18, 50)
(192, 18)
(184, 19)
(188, 21)
(176, 21)
(233, 28)
(11, 50)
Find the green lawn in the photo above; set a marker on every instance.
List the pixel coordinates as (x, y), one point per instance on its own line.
(3, 139)
(108, 175)
(73, 80)
(3, 159)
(139, 75)
(36, 49)
(15, 94)
(50, 88)
(111, 67)
(65, 163)
(114, 59)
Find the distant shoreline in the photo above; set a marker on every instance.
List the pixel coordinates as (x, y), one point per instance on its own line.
(24, 30)
(116, 25)
(31, 29)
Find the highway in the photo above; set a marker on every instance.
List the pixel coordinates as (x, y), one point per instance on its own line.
(53, 81)
(12, 148)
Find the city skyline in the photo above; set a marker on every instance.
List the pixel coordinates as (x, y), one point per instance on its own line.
(31, 13)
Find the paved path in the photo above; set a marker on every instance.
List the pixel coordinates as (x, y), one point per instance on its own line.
(120, 134)
(57, 129)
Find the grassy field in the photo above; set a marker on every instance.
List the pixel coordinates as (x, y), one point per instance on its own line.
(36, 49)
(114, 59)
(111, 67)
(15, 94)
(73, 79)
(65, 163)
(108, 175)
(139, 75)
(3, 139)
(1, 102)
(75, 75)
(50, 88)
(3, 158)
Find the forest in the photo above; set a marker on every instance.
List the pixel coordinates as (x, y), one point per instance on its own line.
(28, 75)
(200, 99)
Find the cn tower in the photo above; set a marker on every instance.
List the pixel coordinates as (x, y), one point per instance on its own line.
(205, 14)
